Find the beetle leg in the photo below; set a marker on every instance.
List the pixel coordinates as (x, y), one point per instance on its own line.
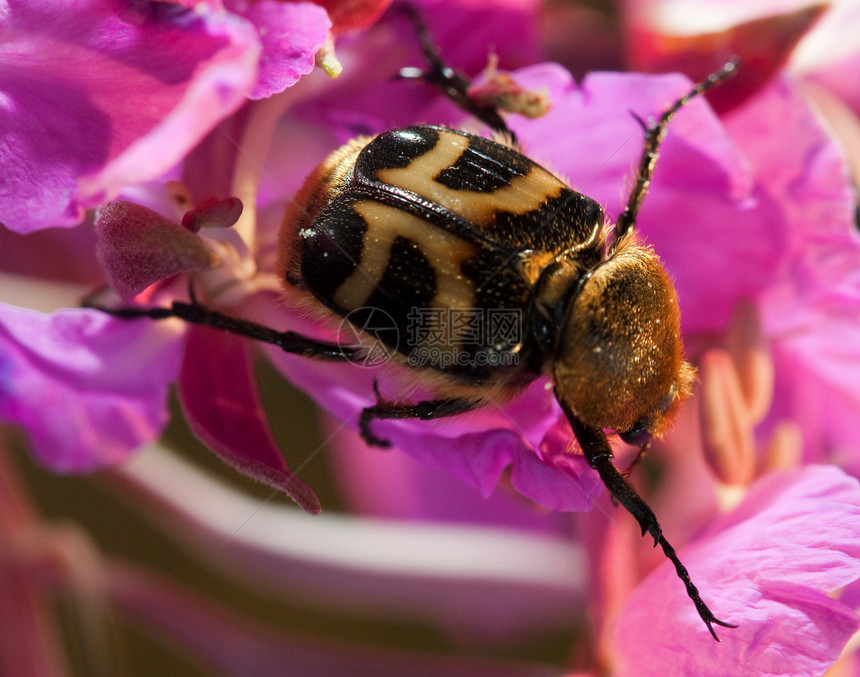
(426, 410)
(597, 452)
(288, 341)
(451, 83)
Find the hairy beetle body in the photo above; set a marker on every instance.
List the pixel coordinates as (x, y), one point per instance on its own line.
(432, 218)
(436, 221)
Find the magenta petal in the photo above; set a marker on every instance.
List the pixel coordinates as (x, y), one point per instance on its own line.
(464, 30)
(86, 388)
(478, 448)
(817, 376)
(290, 33)
(396, 486)
(219, 397)
(94, 99)
(770, 567)
(811, 307)
(807, 180)
(481, 459)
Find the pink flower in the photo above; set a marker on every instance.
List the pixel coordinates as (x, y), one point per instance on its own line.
(756, 563)
(741, 217)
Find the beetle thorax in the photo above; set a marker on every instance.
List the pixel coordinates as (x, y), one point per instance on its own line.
(618, 361)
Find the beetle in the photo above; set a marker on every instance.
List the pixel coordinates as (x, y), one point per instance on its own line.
(426, 220)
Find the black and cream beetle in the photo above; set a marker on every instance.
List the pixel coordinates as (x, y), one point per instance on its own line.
(428, 217)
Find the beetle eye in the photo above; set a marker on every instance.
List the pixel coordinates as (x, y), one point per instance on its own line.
(638, 434)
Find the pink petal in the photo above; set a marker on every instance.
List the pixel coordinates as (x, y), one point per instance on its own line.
(770, 567)
(839, 77)
(807, 180)
(86, 388)
(477, 448)
(466, 31)
(396, 486)
(290, 34)
(68, 255)
(97, 99)
(810, 308)
(220, 399)
(817, 376)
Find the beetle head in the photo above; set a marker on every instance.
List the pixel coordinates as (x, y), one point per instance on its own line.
(619, 358)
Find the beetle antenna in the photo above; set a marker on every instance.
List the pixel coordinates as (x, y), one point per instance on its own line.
(655, 132)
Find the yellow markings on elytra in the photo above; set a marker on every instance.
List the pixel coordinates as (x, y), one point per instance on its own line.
(523, 194)
(444, 251)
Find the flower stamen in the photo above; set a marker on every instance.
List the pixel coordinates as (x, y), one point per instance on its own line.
(727, 427)
(748, 347)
